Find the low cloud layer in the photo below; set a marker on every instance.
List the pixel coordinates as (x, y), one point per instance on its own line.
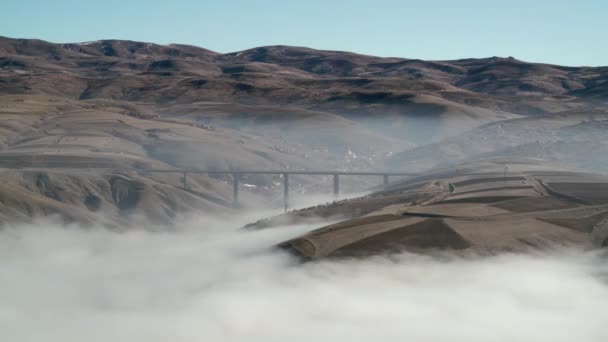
(207, 281)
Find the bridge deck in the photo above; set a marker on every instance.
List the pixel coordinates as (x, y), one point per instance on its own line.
(237, 173)
(284, 172)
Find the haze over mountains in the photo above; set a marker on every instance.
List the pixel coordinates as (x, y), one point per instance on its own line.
(124, 105)
(436, 185)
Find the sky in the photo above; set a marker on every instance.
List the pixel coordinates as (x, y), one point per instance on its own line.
(552, 31)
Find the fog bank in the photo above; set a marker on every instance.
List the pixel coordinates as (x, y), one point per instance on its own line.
(207, 281)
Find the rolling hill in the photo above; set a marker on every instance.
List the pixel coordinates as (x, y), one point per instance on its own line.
(122, 105)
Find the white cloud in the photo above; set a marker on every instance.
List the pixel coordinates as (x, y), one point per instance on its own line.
(209, 282)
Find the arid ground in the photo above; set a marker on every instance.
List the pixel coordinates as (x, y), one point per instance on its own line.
(77, 122)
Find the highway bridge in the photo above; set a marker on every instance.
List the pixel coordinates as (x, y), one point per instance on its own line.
(236, 175)
(93, 166)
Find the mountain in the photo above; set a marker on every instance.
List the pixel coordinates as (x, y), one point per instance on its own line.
(122, 105)
(452, 96)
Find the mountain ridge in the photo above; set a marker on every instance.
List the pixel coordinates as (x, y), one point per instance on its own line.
(356, 86)
(121, 103)
(303, 58)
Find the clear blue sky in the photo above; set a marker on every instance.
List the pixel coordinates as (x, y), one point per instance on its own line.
(555, 31)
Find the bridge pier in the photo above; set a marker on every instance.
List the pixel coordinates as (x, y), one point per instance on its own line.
(284, 173)
(235, 189)
(286, 191)
(336, 185)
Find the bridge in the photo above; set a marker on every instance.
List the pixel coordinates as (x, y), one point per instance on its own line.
(23, 164)
(236, 175)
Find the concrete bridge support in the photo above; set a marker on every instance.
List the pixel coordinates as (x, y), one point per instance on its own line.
(286, 191)
(336, 185)
(284, 173)
(235, 189)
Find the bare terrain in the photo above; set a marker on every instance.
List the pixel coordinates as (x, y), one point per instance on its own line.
(77, 121)
(479, 208)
